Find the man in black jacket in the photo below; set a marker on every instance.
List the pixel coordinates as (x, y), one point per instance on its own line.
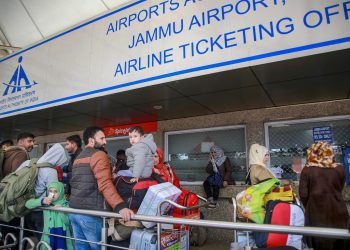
(73, 147)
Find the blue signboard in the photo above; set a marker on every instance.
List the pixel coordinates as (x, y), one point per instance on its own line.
(323, 134)
(346, 153)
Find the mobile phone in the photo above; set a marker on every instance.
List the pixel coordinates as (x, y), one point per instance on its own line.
(51, 195)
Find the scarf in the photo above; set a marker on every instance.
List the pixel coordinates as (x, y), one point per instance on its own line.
(256, 156)
(321, 155)
(218, 159)
(164, 169)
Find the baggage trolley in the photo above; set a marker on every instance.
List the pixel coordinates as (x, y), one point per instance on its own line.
(200, 199)
(235, 245)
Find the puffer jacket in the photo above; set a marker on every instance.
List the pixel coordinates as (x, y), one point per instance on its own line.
(91, 182)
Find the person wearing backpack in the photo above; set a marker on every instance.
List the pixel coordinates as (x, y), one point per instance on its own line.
(55, 156)
(15, 155)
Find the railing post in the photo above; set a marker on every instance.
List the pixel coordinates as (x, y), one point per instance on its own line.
(103, 234)
(21, 233)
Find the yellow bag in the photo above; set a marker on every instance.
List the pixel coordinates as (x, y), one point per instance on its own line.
(282, 193)
(251, 201)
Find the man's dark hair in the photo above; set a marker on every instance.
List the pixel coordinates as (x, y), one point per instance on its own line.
(7, 143)
(76, 139)
(138, 129)
(120, 152)
(24, 135)
(90, 132)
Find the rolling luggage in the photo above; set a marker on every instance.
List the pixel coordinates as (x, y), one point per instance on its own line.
(281, 213)
(154, 196)
(143, 240)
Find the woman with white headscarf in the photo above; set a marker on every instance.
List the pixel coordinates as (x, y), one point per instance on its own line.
(258, 159)
(219, 170)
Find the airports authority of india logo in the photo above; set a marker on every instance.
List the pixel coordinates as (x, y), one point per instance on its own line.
(18, 81)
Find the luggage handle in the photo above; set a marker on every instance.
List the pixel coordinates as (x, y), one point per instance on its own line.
(183, 207)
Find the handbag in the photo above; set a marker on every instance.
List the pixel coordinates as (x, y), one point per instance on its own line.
(216, 179)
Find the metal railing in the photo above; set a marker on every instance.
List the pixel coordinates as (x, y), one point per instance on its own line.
(309, 231)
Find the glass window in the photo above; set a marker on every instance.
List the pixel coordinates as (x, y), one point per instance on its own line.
(188, 151)
(289, 140)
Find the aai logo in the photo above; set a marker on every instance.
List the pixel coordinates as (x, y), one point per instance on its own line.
(18, 81)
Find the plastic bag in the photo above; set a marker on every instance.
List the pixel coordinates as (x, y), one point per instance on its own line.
(251, 201)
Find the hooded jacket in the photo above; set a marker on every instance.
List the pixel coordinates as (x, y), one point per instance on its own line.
(54, 222)
(56, 156)
(140, 157)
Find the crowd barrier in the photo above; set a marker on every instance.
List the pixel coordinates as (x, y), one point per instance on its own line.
(310, 231)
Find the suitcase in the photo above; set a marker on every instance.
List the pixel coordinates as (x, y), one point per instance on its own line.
(143, 240)
(154, 196)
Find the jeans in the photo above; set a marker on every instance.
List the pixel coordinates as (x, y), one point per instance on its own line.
(86, 227)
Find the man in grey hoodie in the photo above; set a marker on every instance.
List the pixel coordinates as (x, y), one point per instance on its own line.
(140, 154)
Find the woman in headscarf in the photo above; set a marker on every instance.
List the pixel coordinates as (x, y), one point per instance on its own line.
(219, 170)
(163, 169)
(258, 159)
(54, 222)
(320, 189)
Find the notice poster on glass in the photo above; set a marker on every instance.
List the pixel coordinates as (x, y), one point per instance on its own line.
(346, 153)
(323, 134)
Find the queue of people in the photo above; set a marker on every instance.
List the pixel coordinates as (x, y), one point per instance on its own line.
(89, 184)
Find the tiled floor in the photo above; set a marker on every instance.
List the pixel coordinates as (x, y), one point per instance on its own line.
(220, 245)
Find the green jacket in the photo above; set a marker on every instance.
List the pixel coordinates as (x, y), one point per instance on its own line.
(54, 222)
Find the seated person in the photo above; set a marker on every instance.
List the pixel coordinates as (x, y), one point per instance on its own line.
(163, 169)
(219, 170)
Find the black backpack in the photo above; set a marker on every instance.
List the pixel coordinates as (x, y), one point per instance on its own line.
(134, 192)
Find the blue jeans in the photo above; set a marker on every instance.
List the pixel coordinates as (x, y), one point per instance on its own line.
(86, 227)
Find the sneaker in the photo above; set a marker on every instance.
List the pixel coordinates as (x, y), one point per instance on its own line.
(212, 205)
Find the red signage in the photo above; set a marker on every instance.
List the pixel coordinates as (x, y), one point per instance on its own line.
(122, 130)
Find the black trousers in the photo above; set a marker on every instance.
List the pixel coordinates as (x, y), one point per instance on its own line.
(34, 221)
(211, 190)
